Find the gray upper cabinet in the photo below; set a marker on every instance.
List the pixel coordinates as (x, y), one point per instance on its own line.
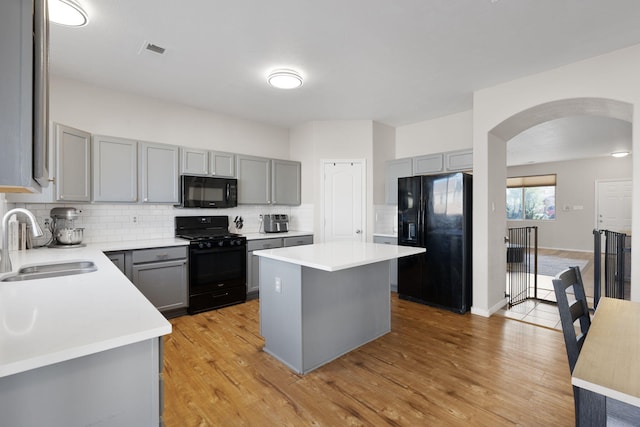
(459, 160)
(194, 161)
(115, 166)
(263, 181)
(73, 164)
(23, 95)
(431, 163)
(396, 169)
(222, 164)
(159, 173)
(285, 183)
(254, 180)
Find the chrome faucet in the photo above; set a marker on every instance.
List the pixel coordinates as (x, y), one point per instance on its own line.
(36, 231)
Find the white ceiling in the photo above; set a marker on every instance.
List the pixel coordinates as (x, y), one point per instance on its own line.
(396, 62)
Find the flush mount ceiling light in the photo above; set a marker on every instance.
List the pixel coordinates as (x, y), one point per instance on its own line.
(67, 12)
(620, 154)
(284, 79)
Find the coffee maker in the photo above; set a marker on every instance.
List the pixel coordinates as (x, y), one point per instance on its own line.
(64, 233)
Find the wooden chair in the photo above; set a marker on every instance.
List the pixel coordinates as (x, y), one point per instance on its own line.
(570, 311)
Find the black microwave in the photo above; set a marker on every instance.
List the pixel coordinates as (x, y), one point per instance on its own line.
(208, 192)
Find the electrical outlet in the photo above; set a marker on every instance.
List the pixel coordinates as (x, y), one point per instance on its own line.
(134, 219)
(278, 285)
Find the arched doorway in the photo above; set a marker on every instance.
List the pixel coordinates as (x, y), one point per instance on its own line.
(592, 129)
(495, 162)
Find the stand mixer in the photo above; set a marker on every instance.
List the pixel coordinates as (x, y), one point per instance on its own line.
(64, 233)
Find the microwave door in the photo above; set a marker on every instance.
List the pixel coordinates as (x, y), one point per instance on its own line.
(213, 194)
(191, 191)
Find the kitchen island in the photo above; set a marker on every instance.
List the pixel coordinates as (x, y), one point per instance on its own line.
(83, 349)
(320, 301)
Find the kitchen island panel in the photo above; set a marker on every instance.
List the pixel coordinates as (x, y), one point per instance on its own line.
(317, 316)
(343, 310)
(281, 312)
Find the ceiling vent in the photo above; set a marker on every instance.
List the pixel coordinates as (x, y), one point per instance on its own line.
(155, 48)
(150, 47)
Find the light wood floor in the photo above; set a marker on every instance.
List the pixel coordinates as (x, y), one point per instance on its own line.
(435, 368)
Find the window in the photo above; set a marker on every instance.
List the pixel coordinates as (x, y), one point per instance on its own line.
(531, 197)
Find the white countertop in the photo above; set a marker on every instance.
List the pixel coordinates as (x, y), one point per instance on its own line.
(127, 245)
(46, 321)
(395, 236)
(334, 256)
(257, 236)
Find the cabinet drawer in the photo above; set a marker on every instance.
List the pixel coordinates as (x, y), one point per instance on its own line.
(385, 240)
(117, 258)
(207, 301)
(297, 241)
(159, 254)
(255, 245)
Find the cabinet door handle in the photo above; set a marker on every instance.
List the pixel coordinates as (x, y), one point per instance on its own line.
(220, 285)
(162, 256)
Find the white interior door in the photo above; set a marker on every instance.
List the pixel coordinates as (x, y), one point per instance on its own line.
(343, 200)
(613, 209)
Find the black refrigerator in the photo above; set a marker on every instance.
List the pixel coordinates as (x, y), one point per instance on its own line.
(434, 212)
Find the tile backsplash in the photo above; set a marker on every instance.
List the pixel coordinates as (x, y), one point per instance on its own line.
(386, 219)
(120, 222)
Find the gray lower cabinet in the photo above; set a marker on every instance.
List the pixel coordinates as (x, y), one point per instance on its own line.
(115, 169)
(253, 262)
(118, 259)
(161, 275)
(297, 241)
(393, 268)
(117, 387)
(159, 173)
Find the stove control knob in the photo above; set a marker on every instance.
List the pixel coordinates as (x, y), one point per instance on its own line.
(208, 244)
(200, 245)
(221, 243)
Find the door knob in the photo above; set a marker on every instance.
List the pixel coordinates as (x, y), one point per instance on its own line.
(358, 231)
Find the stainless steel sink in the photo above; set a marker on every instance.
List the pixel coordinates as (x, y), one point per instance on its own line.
(44, 271)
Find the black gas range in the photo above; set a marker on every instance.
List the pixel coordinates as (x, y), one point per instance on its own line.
(217, 262)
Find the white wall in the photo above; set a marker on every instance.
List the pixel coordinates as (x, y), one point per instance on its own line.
(448, 133)
(611, 76)
(104, 111)
(575, 186)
